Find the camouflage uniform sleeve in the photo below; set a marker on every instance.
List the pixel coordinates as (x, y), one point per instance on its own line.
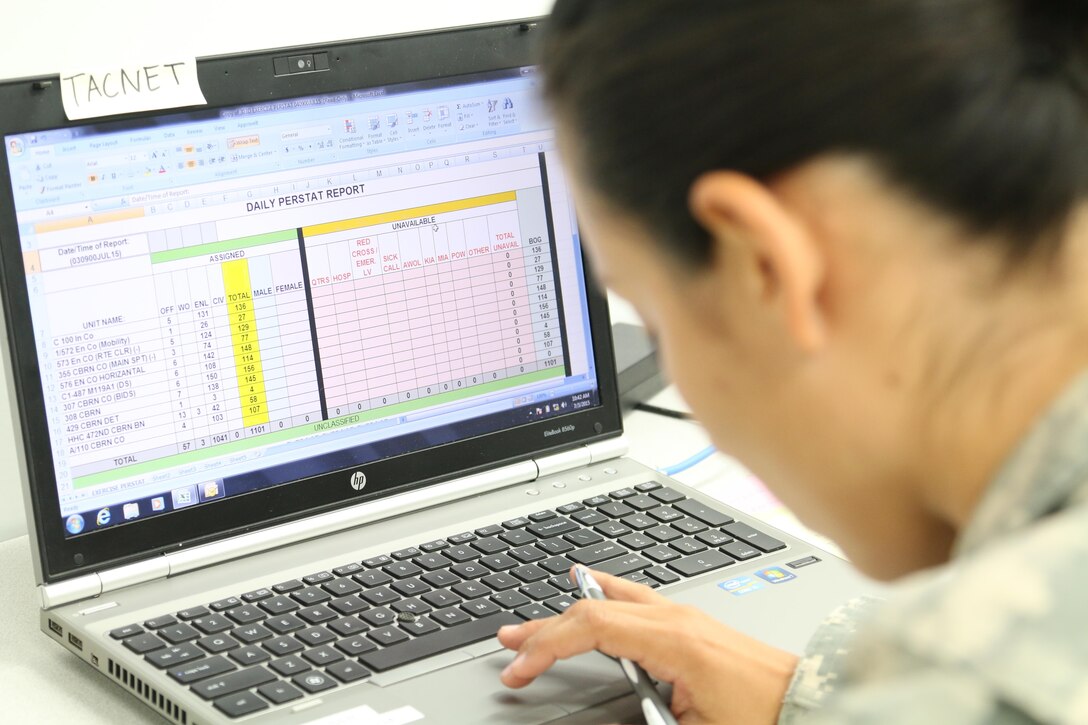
(820, 667)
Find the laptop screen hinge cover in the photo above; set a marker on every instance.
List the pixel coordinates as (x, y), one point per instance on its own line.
(581, 456)
(106, 580)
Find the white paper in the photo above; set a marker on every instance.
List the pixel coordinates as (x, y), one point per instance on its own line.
(366, 715)
(129, 88)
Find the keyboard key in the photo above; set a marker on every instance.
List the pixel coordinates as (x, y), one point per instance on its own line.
(436, 545)
(249, 655)
(597, 501)
(317, 578)
(246, 613)
(623, 565)
(386, 636)
(527, 554)
(714, 538)
(412, 606)
(486, 531)
(689, 526)
(622, 493)
(347, 626)
(441, 598)
(313, 681)
(517, 537)
(127, 631)
(235, 682)
(491, 545)
(180, 632)
(440, 579)
(517, 523)
(431, 562)
(642, 503)
(176, 655)
(217, 643)
(347, 569)
(321, 656)
(557, 564)
(463, 538)
(208, 667)
(638, 522)
(449, 617)
(589, 517)
(498, 562)
(348, 605)
(284, 624)
(585, 537)
(568, 509)
(612, 529)
(279, 692)
(756, 538)
(380, 596)
(228, 603)
(408, 553)
(553, 527)
(559, 604)
(163, 621)
(281, 646)
(421, 647)
(314, 636)
(287, 587)
(212, 624)
(557, 545)
(341, 587)
(530, 573)
(472, 589)
(257, 595)
(667, 495)
(539, 591)
(590, 555)
(648, 486)
(347, 671)
(376, 561)
(193, 613)
(402, 569)
(355, 646)
(616, 510)
(688, 546)
(461, 553)
(664, 534)
(470, 570)
(242, 703)
(278, 604)
(498, 582)
(741, 551)
(310, 596)
(662, 575)
(411, 587)
(481, 607)
(288, 666)
(510, 599)
(637, 542)
(698, 563)
(316, 615)
(704, 513)
(421, 626)
(379, 617)
(534, 611)
(372, 578)
(563, 583)
(661, 553)
(251, 633)
(542, 516)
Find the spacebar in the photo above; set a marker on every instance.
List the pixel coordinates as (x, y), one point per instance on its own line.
(433, 644)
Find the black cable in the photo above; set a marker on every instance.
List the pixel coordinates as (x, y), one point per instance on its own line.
(666, 412)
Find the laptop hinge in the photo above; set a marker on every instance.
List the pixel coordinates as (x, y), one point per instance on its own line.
(581, 456)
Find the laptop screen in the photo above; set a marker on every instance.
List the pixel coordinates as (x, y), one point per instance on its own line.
(232, 300)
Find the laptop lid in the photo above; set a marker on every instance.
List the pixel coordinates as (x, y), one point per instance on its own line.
(355, 272)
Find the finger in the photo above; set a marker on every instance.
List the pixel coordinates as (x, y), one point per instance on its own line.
(624, 590)
(513, 635)
(618, 629)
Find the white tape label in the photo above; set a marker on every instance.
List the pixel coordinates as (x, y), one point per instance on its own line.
(129, 88)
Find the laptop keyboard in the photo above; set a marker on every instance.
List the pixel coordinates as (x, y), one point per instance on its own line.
(278, 644)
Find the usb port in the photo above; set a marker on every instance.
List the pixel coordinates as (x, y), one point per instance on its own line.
(59, 630)
(75, 641)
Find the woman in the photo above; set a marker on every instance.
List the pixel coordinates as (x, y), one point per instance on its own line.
(858, 229)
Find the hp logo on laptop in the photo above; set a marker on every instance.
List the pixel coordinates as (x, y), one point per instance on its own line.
(358, 480)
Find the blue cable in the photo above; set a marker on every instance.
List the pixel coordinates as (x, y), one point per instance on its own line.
(689, 463)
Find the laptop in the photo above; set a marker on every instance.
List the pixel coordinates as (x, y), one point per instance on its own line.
(315, 392)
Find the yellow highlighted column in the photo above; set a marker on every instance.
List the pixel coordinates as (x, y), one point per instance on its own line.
(247, 350)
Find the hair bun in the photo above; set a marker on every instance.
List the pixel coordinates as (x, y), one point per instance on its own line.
(1056, 32)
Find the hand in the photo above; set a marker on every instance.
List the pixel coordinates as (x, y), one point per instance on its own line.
(718, 674)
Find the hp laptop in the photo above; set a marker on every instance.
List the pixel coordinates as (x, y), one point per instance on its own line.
(315, 393)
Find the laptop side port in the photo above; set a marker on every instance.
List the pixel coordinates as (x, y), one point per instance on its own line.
(75, 641)
(57, 629)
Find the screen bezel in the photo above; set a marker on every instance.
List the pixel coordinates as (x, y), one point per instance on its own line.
(26, 106)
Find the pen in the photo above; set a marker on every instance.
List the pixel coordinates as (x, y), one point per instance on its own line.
(654, 708)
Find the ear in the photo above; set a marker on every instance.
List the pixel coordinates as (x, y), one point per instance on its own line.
(751, 227)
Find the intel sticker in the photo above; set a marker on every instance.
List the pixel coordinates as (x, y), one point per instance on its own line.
(741, 585)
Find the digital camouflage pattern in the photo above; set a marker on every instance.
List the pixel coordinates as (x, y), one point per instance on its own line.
(998, 635)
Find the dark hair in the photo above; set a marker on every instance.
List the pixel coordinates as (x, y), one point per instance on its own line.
(977, 107)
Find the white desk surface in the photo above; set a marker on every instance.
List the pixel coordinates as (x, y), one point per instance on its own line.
(41, 682)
